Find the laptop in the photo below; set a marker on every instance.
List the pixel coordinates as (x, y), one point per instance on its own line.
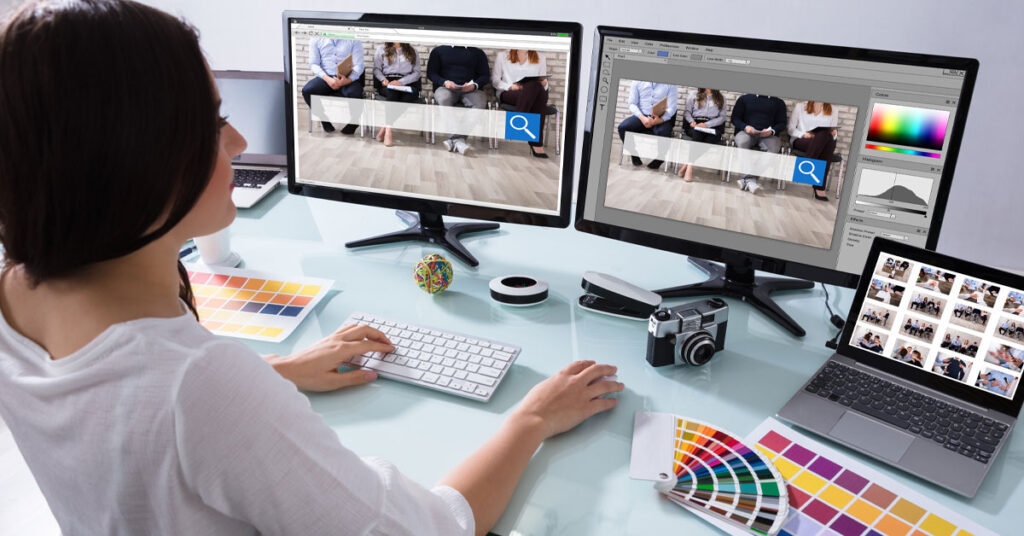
(925, 378)
(254, 103)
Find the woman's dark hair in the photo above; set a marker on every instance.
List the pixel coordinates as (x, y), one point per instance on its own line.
(109, 136)
(716, 97)
(390, 52)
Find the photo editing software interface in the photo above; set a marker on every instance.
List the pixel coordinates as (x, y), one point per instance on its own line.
(466, 111)
(951, 324)
(725, 146)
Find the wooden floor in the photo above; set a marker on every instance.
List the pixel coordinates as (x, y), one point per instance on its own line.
(791, 215)
(509, 175)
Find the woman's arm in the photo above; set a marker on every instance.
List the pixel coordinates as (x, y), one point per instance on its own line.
(489, 476)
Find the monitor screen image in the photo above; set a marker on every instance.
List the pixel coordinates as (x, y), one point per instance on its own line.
(445, 112)
(952, 324)
(767, 155)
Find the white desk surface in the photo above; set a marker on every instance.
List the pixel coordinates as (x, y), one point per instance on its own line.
(577, 483)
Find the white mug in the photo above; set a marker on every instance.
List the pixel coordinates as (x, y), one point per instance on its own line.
(215, 249)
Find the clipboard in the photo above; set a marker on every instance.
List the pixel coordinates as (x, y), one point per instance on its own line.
(659, 108)
(345, 67)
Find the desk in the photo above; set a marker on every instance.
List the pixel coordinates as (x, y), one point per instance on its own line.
(577, 483)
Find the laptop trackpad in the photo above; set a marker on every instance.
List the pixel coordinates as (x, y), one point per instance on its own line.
(871, 436)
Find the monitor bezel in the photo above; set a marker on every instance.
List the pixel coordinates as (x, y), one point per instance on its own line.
(766, 263)
(461, 209)
(945, 385)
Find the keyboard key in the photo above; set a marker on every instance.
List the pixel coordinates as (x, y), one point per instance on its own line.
(430, 377)
(482, 391)
(488, 371)
(477, 378)
(461, 374)
(391, 368)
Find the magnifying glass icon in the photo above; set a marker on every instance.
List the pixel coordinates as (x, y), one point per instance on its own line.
(522, 126)
(809, 171)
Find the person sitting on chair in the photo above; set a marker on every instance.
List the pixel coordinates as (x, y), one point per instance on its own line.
(520, 79)
(325, 54)
(812, 129)
(643, 98)
(704, 109)
(459, 74)
(395, 65)
(758, 120)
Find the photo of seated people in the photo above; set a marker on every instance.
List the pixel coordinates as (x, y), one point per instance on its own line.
(961, 341)
(1014, 303)
(910, 353)
(926, 304)
(918, 328)
(935, 280)
(978, 292)
(869, 339)
(998, 382)
(1010, 328)
(887, 293)
(952, 367)
(969, 316)
(1006, 356)
(893, 268)
(409, 128)
(878, 316)
(682, 152)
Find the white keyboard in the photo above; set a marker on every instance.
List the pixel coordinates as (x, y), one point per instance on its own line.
(452, 363)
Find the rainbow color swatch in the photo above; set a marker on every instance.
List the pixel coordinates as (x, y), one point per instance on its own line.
(903, 151)
(912, 127)
(719, 476)
(834, 495)
(253, 305)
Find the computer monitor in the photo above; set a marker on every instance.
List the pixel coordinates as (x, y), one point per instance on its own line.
(747, 129)
(480, 113)
(251, 99)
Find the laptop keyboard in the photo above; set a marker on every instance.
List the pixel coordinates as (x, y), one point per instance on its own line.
(253, 178)
(957, 429)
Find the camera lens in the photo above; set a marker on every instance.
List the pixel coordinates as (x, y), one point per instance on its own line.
(699, 348)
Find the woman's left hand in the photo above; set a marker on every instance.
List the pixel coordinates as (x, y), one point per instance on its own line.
(316, 367)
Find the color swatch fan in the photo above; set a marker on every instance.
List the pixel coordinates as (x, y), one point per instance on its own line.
(709, 471)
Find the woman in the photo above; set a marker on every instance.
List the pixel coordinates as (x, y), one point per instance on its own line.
(519, 78)
(704, 109)
(396, 77)
(812, 129)
(132, 417)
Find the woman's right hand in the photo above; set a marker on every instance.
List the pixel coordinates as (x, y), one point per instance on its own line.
(515, 87)
(567, 398)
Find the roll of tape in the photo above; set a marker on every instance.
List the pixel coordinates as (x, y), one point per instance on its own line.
(518, 290)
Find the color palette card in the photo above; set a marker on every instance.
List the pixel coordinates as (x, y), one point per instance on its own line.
(834, 495)
(708, 471)
(253, 305)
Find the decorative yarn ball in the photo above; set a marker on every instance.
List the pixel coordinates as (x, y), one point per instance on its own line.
(433, 273)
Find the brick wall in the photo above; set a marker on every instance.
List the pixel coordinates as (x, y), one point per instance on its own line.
(847, 114)
(557, 64)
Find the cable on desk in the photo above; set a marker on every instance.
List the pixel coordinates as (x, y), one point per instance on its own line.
(835, 319)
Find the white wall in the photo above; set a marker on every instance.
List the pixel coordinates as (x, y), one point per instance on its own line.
(983, 217)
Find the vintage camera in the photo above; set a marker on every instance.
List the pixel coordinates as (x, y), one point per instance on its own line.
(690, 333)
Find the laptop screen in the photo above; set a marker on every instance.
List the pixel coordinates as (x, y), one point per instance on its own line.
(254, 104)
(949, 323)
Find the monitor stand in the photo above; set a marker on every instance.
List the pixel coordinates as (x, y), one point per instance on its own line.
(428, 227)
(739, 281)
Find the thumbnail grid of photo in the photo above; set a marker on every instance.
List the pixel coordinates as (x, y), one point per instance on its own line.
(951, 324)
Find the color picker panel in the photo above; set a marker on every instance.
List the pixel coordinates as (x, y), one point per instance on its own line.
(253, 305)
(904, 125)
(720, 476)
(830, 495)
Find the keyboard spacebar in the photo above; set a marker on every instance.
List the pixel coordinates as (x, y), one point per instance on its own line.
(391, 368)
(877, 413)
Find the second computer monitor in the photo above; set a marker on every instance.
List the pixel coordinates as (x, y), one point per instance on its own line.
(434, 115)
(768, 155)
